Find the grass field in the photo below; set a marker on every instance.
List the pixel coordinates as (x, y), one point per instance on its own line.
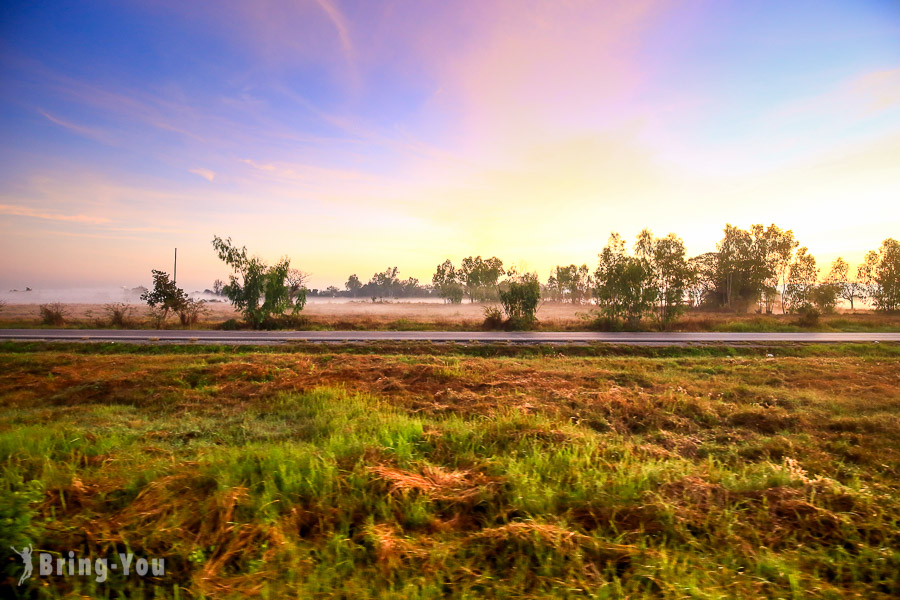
(430, 316)
(399, 471)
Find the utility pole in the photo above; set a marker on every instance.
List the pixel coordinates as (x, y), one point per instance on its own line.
(175, 272)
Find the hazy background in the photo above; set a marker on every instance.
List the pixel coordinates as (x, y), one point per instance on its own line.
(353, 136)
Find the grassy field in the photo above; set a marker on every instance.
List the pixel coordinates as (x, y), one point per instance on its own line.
(422, 316)
(399, 471)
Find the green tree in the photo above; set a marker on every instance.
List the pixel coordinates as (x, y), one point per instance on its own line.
(165, 295)
(446, 281)
(624, 287)
(519, 298)
(354, 285)
(480, 277)
(571, 283)
(258, 290)
(881, 273)
(802, 277)
(668, 272)
(839, 277)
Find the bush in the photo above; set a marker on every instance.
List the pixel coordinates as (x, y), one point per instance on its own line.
(231, 325)
(119, 313)
(55, 313)
(165, 296)
(809, 316)
(284, 322)
(258, 290)
(520, 298)
(158, 316)
(493, 318)
(190, 311)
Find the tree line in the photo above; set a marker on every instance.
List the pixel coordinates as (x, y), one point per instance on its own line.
(759, 267)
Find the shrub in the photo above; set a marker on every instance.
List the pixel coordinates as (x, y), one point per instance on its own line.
(190, 312)
(158, 316)
(493, 318)
(520, 298)
(284, 322)
(54, 313)
(809, 316)
(231, 325)
(119, 313)
(258, 290)
(165, 295)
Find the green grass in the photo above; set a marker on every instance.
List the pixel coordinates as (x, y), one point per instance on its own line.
(291, 474)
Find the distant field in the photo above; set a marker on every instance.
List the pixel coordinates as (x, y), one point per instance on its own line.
(360, 315)
(394, 472)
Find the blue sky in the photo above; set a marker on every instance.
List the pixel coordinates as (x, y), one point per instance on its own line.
(353, 136)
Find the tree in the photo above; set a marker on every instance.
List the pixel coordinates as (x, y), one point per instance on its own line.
(668, 272)
(519, 298)
(734, 250)
(704, 276)
(165, 295)
(623, 284)
(353, 285)
(479, 277)
(218, 286)
(571, 283)
(802, 277)
(384, 284)
(780, 249)
(839, 277)
(881, 274)
(446, 282)
(258, 290)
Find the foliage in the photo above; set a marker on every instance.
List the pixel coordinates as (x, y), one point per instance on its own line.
(480, 277)
(353, 285)
(493, 317)
(624, 288)
(54, 313)
(809, 316)
(802, 278)
(446, 281)
(839, 277)
(119, 313)
(881, 274)
(165, 296)
(258, 290)
(570, 284)
(519, 298)
(668, 273)
(190, 312)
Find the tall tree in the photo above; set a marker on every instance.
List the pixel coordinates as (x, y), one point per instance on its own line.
(480, 277)
(839, 278)
(881, 273)
(257, 289)
(446, 282)
(624, 287)
(802, 277)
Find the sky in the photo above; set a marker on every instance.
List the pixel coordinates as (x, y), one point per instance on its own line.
(356, 135)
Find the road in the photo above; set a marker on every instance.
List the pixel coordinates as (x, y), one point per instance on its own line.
(532, 337)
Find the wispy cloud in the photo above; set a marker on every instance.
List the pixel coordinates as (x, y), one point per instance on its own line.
(88, 132)
(340, 24)
(206, 174)
(24, 211)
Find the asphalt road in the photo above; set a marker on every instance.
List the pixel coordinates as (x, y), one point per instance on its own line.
(532, 337)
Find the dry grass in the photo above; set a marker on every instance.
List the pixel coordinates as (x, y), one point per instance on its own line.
(361, 315)
(313, 475)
